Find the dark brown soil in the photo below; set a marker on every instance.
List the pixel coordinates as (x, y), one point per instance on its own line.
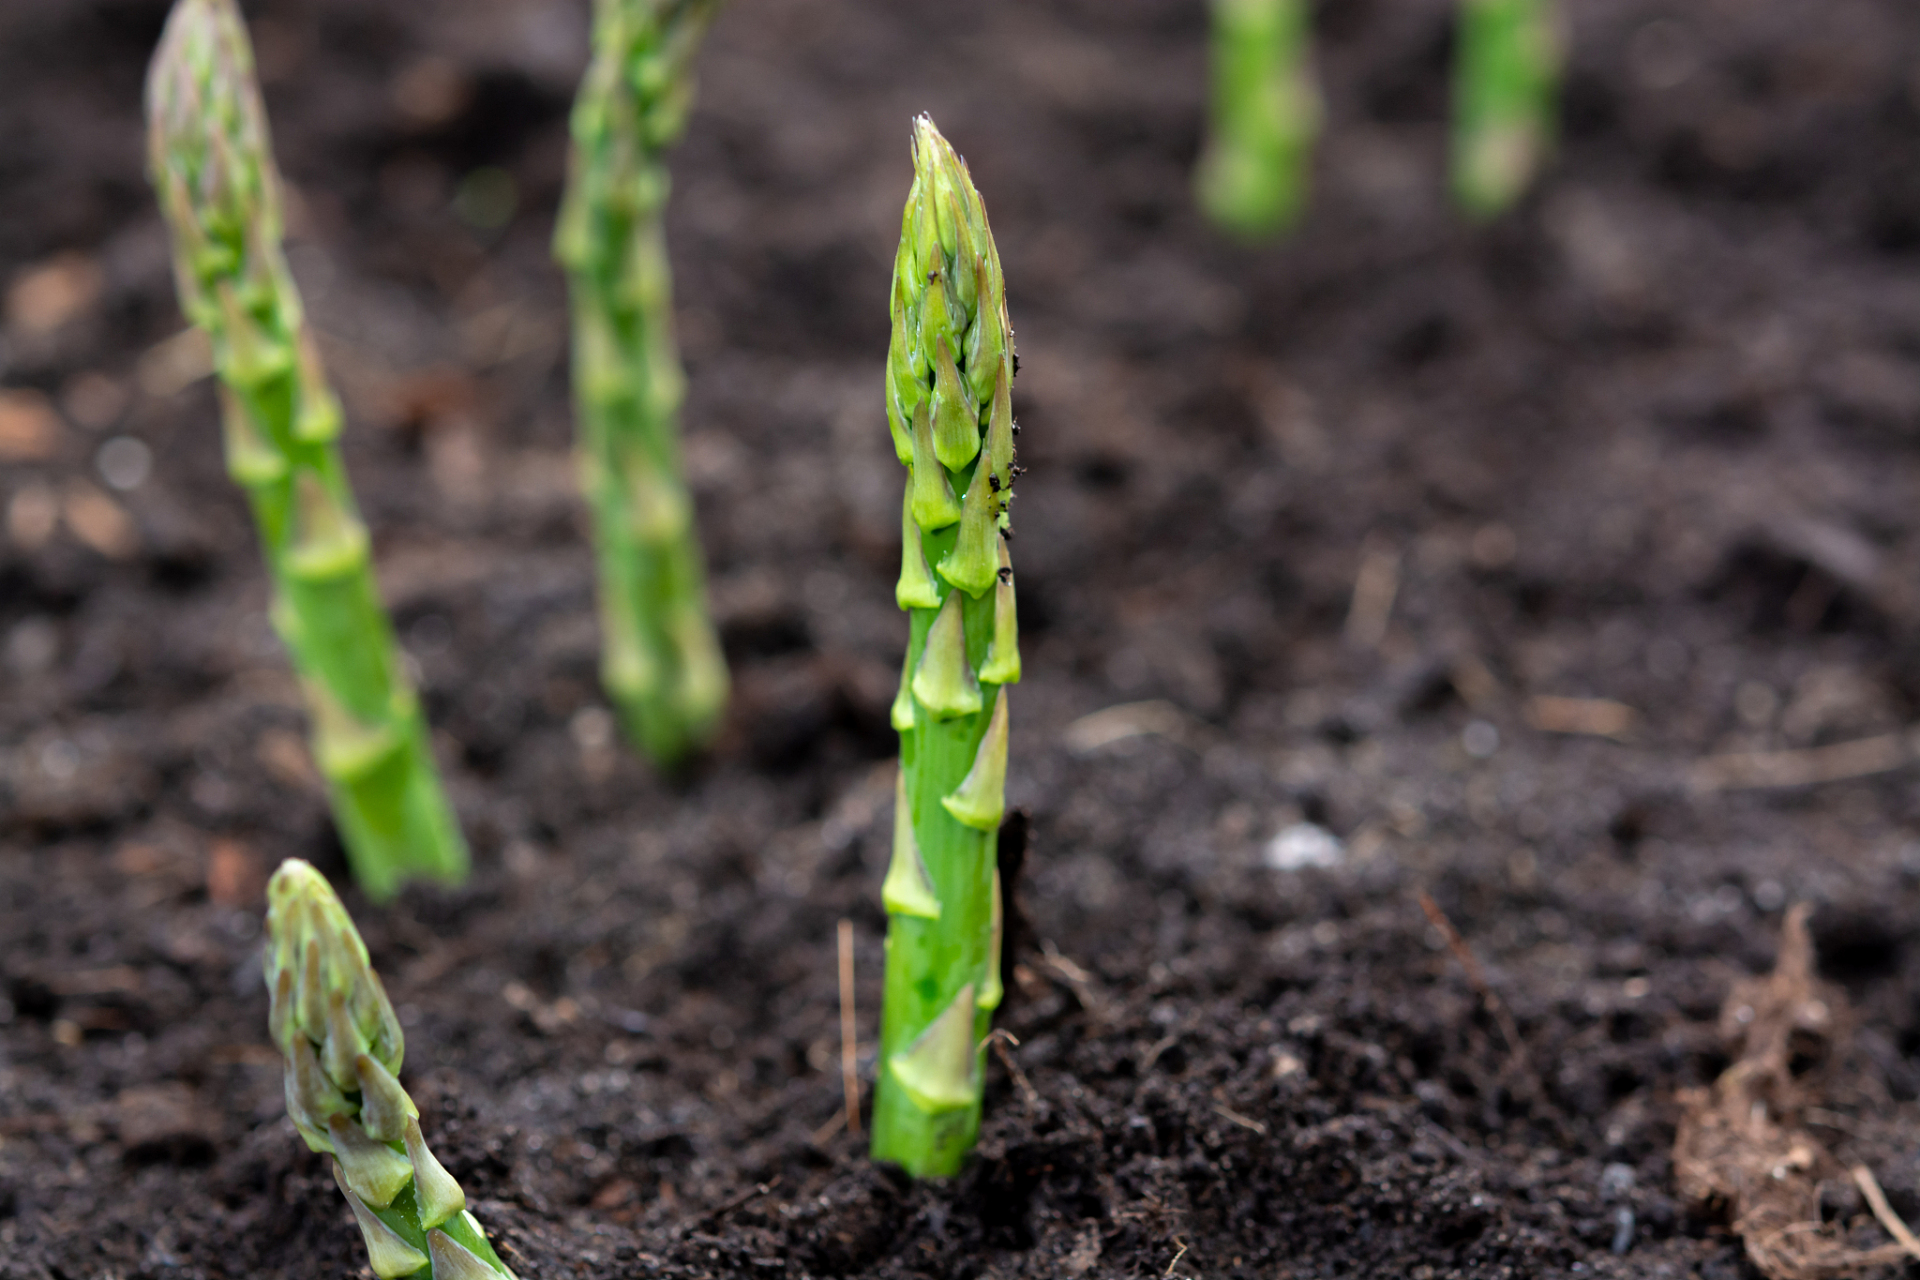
(1654, 439)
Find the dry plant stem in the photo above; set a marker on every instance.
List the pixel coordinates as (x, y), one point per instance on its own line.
(707, 1220)
(1000, 1038)
(1805, 767)
(1265, 115)
(1477, 979)
(1882, 1211)
(849, 1046)
(950, 409)
(660, 662)
(1739, 1148)
(212, 166)
(1374, 587)
(1506, 83)
(1519, 1067)
(343, 1046)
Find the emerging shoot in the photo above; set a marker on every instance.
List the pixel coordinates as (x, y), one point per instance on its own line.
(212, 167)
(660, 661)
(1505, 88)
(1255, 174)
(949, 404)
(342, 1045)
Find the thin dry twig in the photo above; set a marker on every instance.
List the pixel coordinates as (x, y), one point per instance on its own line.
(720, 1211)
(825, 1133)
(849, 1047)
(1753, 770)
(1589, 717)
(1234, 1117)
(1374, 587)
(1477, 979)
(1113, 724)
(1154, 1051)
(1000, 1038)
(1877, 1201)
(1077, 979)
(1476, 684)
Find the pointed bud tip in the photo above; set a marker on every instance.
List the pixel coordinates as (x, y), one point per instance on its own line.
(203, 49)
(934, 155)
(436, 1192)
(294, 878)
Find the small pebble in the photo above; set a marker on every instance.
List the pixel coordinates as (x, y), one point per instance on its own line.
(1616, 1180)
(1622, 1229)
(1303, 844)
(592, 728)
(33, 646)
(124, 463)
(1480, 739)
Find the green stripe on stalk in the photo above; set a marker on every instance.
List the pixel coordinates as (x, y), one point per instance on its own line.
(212, 167)
(1506, 84)
(949, 410)
(1265, 113)
(661, 662)
(343, 1046)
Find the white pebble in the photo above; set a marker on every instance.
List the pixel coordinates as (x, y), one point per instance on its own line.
(124, 463)
(1303, 844)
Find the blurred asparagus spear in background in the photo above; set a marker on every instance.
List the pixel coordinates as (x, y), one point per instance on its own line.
(950, 407)
(1256, 171)
(342, 1045)
(661, 663)
(212, 166)
(1505, 98)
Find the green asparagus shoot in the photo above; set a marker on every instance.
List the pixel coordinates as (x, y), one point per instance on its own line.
(1255, 174)
(212, 167)
(950, 407)
(1505, 91)
(661, 663)
(342, 1044)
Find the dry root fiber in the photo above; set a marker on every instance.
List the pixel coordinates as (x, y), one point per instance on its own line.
(1740, 1151)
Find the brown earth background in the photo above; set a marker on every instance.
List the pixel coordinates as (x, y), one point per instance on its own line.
(1466, 558)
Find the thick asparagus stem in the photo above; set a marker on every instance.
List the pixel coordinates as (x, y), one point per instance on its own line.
(212, 166)
(1254, 177)
(661, 663)
(1505, 89)
(333, 1024)
(950, 407)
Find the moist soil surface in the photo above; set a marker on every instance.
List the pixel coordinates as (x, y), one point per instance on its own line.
(1562, 569)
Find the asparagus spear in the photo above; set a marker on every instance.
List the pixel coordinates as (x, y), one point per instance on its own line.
(343, 1046)
(1254, 176)
(1506, 81)
(212, 167)
(660, 662)
(950, 408)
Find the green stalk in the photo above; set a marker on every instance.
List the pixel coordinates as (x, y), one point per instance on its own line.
(950, 408)
(1254, 177)
(333, 1024)
(661, 663)
(1505, 92)
(212, 166)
